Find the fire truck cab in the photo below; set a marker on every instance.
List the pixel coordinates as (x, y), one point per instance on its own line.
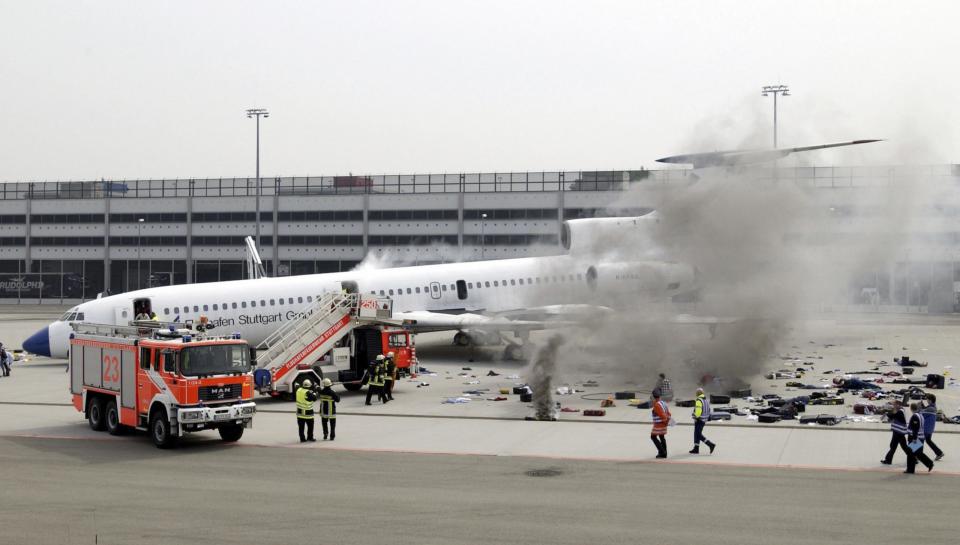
(163, 378)
(357, 350)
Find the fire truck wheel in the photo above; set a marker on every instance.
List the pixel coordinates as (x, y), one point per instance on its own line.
(353, 386)
(95, 414)
(160, 430)
(112, 416)
(230, 432)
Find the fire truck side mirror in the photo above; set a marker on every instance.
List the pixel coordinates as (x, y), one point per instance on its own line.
(253, 356)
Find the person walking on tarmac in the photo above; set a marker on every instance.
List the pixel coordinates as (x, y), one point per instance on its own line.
(898, 431)
(661, 418)
(915, 445)
(305, 400)
(375, 380)
(929, 424)
(389, 376)
(328, 409)
(701, 415)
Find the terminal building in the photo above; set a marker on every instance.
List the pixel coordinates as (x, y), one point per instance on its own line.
(63, 242)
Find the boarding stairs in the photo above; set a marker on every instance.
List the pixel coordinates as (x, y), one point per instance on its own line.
(302, 340)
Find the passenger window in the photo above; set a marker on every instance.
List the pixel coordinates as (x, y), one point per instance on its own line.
(196, 308)
(216, 307)
(470, 285)
(290, 300)
(381, 293)
(443, 287)
(513, 282)
(273, 302)
(206, 308)
(409, 291)
(309, 298)
(417, 289)
(390, 292)
(521, 281)
(243, 304)
(176, 310)
(233, 305)
(496, 284)
(300, 299)
(263, 302)
(280, 301)
(166, 311)
(253, 304)
(529, 281)
(487, 284)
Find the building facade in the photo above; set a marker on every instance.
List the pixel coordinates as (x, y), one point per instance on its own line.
(68, 241)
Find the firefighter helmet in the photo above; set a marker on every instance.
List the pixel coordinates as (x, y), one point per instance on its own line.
(307, 384)
(379, 357)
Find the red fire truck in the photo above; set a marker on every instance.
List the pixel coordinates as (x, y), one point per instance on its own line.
(167, 379)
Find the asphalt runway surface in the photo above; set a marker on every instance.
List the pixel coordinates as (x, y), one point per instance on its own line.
(62, 491)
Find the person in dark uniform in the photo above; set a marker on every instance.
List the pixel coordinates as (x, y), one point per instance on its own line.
(305, 400)
(328, 409)
(389, 375)
(916, 441)
(929, 424)
(898, 430)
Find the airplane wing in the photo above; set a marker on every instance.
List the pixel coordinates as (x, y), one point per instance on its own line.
(527, 319)
(747, 157)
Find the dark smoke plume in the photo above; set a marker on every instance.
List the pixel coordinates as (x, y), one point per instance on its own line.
(541, 378)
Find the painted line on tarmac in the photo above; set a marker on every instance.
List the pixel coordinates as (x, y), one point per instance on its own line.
(519, 419)
(615, 459)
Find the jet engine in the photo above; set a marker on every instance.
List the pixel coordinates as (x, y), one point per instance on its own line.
(600, 235)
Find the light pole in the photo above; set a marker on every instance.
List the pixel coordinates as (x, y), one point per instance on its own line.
(483, 238)
(776, 90)
(258, 113)
(139, 224)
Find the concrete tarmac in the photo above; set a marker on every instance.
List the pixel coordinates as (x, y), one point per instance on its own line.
(58, 491)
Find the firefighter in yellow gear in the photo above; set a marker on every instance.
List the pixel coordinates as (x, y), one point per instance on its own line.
(375, 381)
(328, 409)
(389, 375)
(306, 397)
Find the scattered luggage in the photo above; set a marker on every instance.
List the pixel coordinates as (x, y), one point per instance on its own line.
(936, 382)
(720, 416)
(624, 395)
(865, 408)
(768, 418)
(685, 403)
(822, 419)
(743, 392)
(827, 401)
(526, 398)
(594, 412)
(517, 390)
(644, 405)
(719, 399)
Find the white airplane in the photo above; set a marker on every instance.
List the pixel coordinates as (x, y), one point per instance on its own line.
(480, 300)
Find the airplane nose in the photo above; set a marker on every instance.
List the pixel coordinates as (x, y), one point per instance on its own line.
(39, 343)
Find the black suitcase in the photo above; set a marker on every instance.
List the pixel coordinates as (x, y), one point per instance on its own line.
(517, 390)
(907, 370)
(719, 400)
(768, 418)
(743, 392)
(526, 398)
(624, 395)
(822, 419)
(644, 405)
(720, 416)
(936, 382)
(685, 403)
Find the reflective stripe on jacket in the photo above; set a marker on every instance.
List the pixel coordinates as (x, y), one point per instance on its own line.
(661, 417)
(898, 423)
(305, 403)
(376, 375)
(328, 403)
(916, 427)
(701, 408)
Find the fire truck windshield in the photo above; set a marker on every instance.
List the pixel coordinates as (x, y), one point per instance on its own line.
(218, 359)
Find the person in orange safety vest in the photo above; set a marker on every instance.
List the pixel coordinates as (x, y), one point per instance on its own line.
(661, 419)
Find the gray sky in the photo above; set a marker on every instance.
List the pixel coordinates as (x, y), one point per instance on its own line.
(122, 89)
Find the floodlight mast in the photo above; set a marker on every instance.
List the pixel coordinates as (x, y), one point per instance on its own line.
(258, 113)
(775, 90)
